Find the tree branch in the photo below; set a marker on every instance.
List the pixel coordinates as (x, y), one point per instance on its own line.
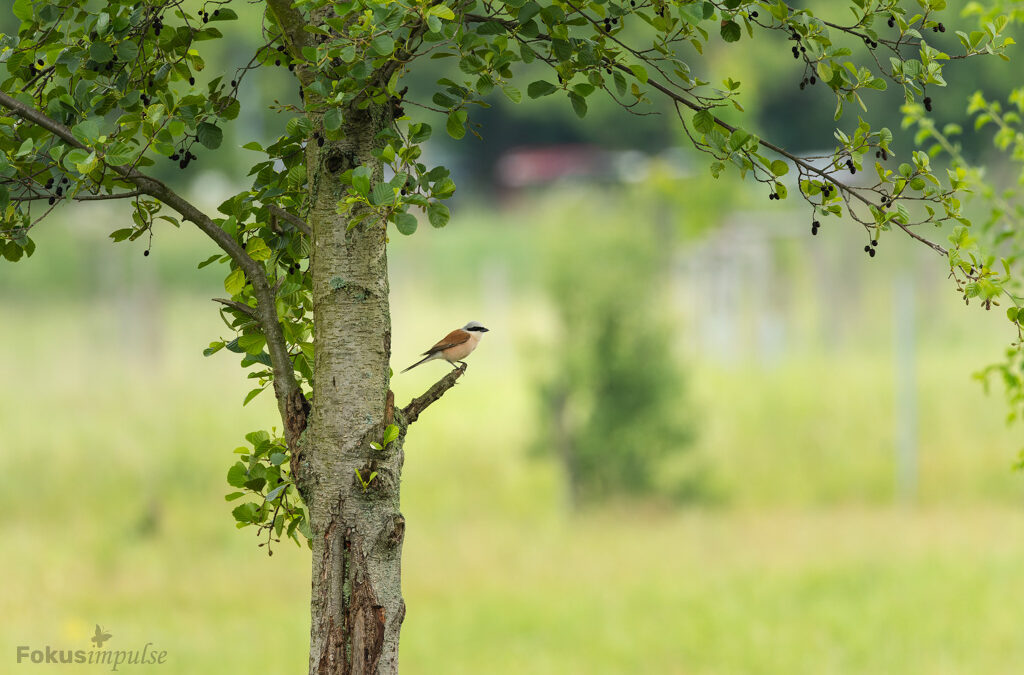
(285, 385)
(416, 406)
(291, 218)
(82, 198)
(240, 306)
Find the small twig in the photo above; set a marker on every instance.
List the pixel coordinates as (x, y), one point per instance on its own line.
(291, 218)
(240, 306)
(416, 406)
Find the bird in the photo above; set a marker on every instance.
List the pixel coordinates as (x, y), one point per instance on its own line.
(454, 346)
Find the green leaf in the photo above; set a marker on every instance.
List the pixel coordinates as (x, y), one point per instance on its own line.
(640, 72)
(252, 343)
(246, 513)
(235, 282)
(384, 45)
(730, 31)
(237, 475)
(118, 154)
(333, 119)
(251, 395)
(704, 122)
(127, 51)
(209, 135)
(825, 71)
(258, 249)
(297, 175)
(512, 93)
(442, 12)
(406, 223)
(100, 52)
(213, 348)
(361, 180)
(456, 124)
(223, 14)
(277, 458)
(438, 214)
(540, 88)
(23, 10)
(579, 104)
(390, 434)
(780, 168)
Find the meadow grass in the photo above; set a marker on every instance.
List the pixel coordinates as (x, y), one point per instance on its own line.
(116, 435)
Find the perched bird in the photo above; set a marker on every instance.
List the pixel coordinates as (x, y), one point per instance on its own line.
(454, 346)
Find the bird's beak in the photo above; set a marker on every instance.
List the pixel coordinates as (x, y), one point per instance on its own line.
(486, 330)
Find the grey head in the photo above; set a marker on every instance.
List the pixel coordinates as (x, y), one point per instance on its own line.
(475, 327)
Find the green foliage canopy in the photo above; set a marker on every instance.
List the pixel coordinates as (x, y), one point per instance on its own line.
(96, 93)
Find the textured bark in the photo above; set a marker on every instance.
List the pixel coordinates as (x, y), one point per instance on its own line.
(357, 607)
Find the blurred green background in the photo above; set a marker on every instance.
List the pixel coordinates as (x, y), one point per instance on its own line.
(832, 491)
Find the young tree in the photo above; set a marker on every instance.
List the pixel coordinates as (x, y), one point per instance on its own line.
(94, 94)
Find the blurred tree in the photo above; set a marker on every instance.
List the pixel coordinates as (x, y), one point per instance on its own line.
(97, 93)
(612, 394)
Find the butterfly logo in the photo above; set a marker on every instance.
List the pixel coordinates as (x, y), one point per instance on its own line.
(100, 637)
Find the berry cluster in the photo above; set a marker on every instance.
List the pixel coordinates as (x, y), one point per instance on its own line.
(56, 193)
(882, 154)
(939, 28)
(814, 227)
(927, 103)
(609, 22)
(183, 159)
(870, 248)
(851, 167)
(206, 15)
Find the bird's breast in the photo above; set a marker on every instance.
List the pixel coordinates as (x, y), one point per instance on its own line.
(459, 352)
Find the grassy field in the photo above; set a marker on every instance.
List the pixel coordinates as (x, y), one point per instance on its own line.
(116, 435)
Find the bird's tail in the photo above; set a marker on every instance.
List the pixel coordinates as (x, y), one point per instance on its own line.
(423, 360)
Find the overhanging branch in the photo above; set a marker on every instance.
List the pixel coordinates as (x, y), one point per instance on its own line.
(416, 406)
(285, 385)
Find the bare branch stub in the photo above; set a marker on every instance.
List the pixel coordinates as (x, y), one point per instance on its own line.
(302, 225)
(416, 406)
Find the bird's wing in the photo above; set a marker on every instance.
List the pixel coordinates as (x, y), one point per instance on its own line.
(456, 337)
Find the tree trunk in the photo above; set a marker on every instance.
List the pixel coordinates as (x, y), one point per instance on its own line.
(357, 607)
